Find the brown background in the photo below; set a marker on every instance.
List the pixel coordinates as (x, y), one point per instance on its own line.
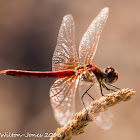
(28, 35)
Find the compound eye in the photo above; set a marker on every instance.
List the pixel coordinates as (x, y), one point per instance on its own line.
(116, 76)
(111, 75)
(109, 70)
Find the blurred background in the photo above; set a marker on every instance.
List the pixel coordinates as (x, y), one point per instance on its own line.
(28, 36)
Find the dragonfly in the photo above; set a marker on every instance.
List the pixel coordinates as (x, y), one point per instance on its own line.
(72, 70)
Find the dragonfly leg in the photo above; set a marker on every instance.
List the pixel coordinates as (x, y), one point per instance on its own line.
(86, 92)
(84, 103)
(108, 88)
(114, 86)
(90, 96)
(88, 88)
(101, 89)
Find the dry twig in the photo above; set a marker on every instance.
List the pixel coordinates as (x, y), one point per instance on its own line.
(81, 119)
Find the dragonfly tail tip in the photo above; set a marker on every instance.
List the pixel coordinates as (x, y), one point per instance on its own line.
(3, 72)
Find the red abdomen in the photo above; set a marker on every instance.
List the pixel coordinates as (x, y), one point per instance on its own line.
(23, 73)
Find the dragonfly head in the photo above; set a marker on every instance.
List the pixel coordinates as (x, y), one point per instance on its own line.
(111, 75)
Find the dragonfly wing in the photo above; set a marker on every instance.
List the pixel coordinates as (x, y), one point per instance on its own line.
(89, 42)
(65, 55)
(62, 97)
(103, 119)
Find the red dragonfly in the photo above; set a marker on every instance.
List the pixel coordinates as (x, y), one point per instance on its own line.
(72, 70)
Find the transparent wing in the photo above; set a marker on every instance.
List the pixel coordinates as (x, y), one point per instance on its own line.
(65, 56)
(103, 119)
(62, 97)
(89, 42)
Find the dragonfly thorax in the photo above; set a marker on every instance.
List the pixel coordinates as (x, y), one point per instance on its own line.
(89, 71)
(109, 75)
